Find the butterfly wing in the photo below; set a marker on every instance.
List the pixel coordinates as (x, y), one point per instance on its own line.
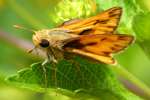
(99, 46)
(104, 59)
(105, 22)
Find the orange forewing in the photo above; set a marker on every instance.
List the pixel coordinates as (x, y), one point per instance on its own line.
(105, 22)
(99, 46)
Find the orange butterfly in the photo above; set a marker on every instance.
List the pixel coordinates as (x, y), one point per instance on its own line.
(92, 37)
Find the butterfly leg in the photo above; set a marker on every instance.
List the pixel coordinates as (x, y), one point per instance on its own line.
(45, 72)
(53, 62)
(54, 74)
(53, 69)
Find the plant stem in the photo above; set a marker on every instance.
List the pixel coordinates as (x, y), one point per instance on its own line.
(134, 81)
(25, 15)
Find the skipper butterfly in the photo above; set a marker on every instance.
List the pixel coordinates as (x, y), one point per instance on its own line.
(94, 37)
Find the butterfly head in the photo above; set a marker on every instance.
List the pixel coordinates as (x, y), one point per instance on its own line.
(40, 39)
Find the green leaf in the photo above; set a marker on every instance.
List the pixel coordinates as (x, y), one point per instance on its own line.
(68, 9)
(143, 4)
(80, 80)
(141, 26)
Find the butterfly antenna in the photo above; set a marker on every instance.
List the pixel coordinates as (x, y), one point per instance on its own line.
(21, 27)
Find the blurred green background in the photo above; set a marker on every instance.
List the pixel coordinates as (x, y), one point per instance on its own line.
(39, 14)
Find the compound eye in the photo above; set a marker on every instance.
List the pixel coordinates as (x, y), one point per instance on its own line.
(44, 43)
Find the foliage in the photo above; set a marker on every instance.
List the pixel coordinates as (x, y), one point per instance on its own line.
(80, 79)
(142, 32)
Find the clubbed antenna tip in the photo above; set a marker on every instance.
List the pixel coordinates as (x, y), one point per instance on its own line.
(20, 27)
